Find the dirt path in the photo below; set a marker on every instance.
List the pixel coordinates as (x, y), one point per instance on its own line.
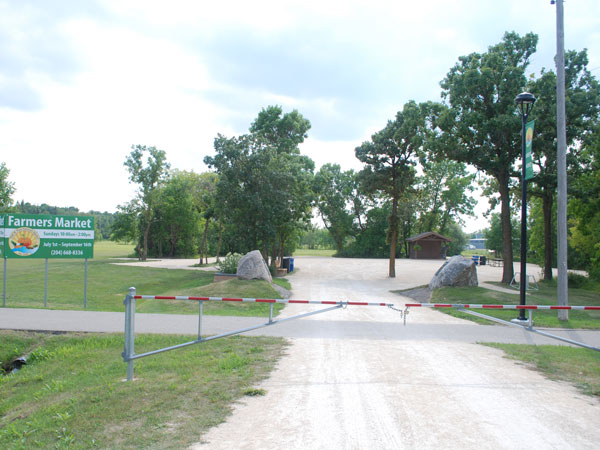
(384, 394)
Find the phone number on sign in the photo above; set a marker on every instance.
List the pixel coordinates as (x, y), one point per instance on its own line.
(66, 252)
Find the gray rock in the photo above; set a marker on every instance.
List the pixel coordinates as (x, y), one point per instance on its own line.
(457, 271)
(252, 266)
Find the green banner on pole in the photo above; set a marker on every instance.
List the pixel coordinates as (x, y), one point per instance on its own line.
(528, 158)
(45, 236)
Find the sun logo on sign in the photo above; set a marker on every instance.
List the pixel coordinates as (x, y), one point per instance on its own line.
(529, 136)
(24, 241)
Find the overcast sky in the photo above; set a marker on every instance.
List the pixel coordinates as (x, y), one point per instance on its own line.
(81, 81)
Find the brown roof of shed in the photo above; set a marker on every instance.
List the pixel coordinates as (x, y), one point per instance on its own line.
(429, 235)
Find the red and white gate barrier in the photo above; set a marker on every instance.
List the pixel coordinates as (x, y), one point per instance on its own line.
(484, 306)
(526, 325)
(129, 355)
(260, 300)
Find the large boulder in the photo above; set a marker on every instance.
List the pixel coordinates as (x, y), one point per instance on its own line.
(252, 266)
(457, 271)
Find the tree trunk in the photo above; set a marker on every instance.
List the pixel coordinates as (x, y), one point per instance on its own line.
(507, 250)
(393, 237)
(204, 242)
(220, 237)
(145, 242)
(547, 202)
(173, 242)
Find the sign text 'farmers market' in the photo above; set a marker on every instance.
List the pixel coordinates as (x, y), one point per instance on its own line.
(43, 236)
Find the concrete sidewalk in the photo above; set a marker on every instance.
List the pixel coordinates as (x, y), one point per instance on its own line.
(331, 325)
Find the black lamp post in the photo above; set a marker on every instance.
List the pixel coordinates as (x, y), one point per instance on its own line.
(524, 102)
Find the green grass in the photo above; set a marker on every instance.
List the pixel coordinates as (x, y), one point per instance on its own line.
(578, 366)
(283, 282)
(72, 394)
(234, 288)
(108, 283)
(545, 296)
(314, 252)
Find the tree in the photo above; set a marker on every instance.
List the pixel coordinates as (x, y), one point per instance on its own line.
(494, 235)
(148, 175)
(390, 160)
(177, 218)
(333, 194)
(482, 127)
(264, 182)
(444, 189)
(585, 205)
(7, 188)
(582, 94)
(285, 132)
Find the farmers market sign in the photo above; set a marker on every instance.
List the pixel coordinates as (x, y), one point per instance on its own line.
(41, 236)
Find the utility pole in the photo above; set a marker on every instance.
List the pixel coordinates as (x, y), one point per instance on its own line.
(561, 159)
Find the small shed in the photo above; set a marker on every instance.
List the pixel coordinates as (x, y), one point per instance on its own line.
(428, 245)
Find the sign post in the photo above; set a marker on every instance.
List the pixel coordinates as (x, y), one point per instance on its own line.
(29, 236)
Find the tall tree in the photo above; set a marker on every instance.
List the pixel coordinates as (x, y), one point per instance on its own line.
(585, 205)
(390, 158)
(445, 193)
(333, 190)
(148, 174)
(264, 181)
(582, 93)
(7, 188)
(482, 125)
(285, 132)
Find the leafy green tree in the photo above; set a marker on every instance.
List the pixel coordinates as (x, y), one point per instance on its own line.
(585, 205)
(7, 188)
(148, 174)
(459, 238)
(126, 226)
(177, 219)
(370, 241)
(482, 126)
(494, 235)
(264, 186)
(390, 158)
(444, 194)
(284, 132)
(334, 191)
(582, 93)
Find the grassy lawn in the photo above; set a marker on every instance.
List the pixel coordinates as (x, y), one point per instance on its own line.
(71, 393)
(578, 366)
(314, 252)
(109, 283)
(545, 296)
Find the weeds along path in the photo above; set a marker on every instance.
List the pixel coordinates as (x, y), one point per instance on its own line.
(333, 393)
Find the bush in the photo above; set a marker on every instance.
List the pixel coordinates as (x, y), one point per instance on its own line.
(577, 281)
(229, 263)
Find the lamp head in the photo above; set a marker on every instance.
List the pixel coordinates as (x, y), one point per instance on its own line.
(524, 102)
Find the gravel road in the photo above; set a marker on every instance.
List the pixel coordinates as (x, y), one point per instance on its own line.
(379, 393)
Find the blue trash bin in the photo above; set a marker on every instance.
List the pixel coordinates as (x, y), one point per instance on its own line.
(291, 265)
(476, 259)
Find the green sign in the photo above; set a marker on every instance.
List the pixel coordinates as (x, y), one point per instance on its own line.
(528, 157)
(41, 236)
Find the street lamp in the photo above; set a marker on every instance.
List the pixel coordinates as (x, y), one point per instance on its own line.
(524, 102)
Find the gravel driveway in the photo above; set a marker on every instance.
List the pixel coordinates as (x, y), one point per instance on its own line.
(379, 393)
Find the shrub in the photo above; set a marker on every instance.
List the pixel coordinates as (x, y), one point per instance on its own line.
(577, 281)
(229, 263)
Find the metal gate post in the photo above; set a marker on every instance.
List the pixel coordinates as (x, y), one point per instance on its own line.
(4, 285)
(200, 309)
(129, 350)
